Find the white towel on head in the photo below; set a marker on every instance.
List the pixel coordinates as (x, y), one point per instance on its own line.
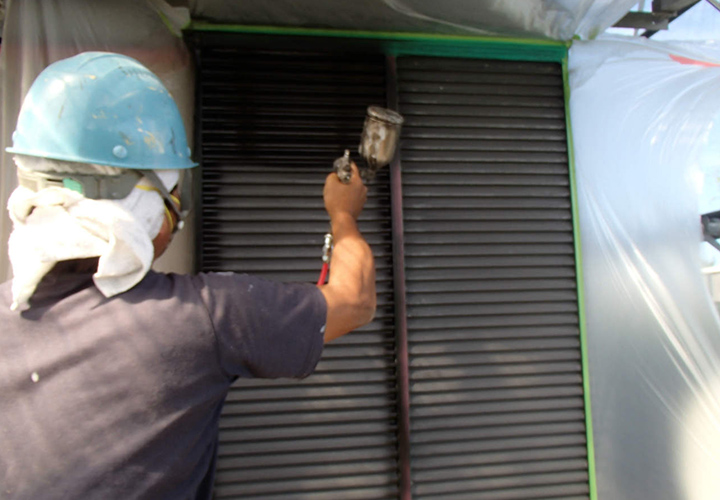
(56, 224)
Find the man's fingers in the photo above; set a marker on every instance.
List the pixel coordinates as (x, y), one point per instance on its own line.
(356, 179)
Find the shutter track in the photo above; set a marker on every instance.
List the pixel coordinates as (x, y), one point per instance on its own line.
(271, 125)
(496, 395)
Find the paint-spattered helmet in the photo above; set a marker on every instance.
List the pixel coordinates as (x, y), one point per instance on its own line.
(102, 108)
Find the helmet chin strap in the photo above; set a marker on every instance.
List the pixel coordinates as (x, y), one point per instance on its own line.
(92, 186)
(116, 187)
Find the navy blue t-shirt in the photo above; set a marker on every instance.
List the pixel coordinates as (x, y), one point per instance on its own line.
(120, 398)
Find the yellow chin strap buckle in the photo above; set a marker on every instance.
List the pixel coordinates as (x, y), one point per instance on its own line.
(168, 215)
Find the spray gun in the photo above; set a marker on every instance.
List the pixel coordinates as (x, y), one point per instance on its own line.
(378, 142)
(379, 139)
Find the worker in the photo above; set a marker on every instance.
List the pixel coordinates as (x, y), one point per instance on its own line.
(113, 376)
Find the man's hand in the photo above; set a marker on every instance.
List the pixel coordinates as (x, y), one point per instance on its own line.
(350, 292)
(345, 198)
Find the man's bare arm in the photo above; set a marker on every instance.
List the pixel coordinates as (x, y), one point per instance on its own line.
(350, 291)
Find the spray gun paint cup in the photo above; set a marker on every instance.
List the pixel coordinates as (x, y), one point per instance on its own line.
(379, 140)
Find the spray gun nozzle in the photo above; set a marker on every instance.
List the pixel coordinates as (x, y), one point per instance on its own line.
(343, 168)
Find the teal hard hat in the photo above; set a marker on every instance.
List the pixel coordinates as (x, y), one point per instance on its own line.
(102, 108)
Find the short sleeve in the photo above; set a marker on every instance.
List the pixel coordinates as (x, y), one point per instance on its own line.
(264, 328)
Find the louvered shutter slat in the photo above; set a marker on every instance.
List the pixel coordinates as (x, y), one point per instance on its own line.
(272, 124)
(496, 395)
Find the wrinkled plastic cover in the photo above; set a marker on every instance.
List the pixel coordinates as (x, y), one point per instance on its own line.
(551, 19)
(642, 118)
(37, 33)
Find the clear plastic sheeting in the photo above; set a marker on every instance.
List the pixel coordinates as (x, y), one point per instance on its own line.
(552, 19)
(37, 33)
(642, 118)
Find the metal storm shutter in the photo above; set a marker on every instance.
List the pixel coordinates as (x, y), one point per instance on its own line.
(272, 123)
(496, 395)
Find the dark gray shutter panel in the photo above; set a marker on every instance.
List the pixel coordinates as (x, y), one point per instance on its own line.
(496, 395)
(271, 125)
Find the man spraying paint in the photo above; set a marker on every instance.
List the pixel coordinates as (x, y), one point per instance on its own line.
(113, 376)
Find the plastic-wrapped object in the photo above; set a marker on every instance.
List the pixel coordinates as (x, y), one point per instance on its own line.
(553, 19)
(642, 117)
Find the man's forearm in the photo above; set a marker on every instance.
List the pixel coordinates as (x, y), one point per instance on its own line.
(350, 291)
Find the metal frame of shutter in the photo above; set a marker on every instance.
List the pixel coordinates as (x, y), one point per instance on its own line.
(494, 384)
